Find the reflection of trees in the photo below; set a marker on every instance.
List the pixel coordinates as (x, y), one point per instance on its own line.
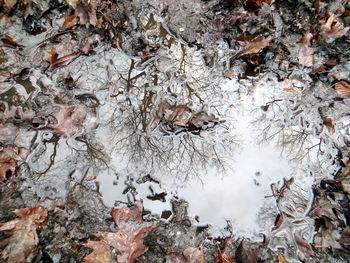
(294, 126)
(181, 155)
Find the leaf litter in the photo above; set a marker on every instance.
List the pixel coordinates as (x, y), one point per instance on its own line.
(130, 89)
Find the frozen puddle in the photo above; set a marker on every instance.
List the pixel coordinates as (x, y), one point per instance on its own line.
(240, 193)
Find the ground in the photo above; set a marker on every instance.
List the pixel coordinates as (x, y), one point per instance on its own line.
(110, 107)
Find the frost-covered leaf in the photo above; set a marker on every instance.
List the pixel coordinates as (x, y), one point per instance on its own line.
(343, 89)
(128, 241)
(332, 29)
(21, 245)
(9, 157)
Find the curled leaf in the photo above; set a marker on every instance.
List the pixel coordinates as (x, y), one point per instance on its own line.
(331, 29)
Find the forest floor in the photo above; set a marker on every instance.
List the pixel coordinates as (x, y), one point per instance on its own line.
(174, 131)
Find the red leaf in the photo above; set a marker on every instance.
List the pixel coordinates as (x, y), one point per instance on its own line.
(128, 241)
(9, 42)
(63, 61)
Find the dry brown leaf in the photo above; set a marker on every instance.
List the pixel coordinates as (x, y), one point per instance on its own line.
(128, 241)
(343, 89)
(325, 210)
(329, 123)
(21, 245)
(306, 52)
(69, 21)
(255, 47)
(9, 157)
(331, 29)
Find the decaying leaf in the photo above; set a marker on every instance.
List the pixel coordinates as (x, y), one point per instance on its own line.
(293, 86)
(9, 42)
(9, 157)
(57, 62)
(189, 255)
(306, 52)
(21, 245)
(194, 255)
(73, 3)
(101, 252)
(128, 241)
(69, 21)
(331, 29)
(255, 46)
(325, 210)
(304, 248)
(343, 89)
(8, 4)
(329, 124)
(221, 256)
(73, 120)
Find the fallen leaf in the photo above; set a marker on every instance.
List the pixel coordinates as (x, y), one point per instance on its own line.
(22, 244)
(194, 255)
(73, 3)
(331, 29)
(329, 123)
(69, 21)
(306, 52)
(73, 120)
(343, 89)
(128, 241)
(304, 248)
(9, 42)
(324, 210)
(10, 3)
(101, 252)
(221, 256)
(264, 107)
(63, 61)
(9, 157)
(293, 86)
(255, 47)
